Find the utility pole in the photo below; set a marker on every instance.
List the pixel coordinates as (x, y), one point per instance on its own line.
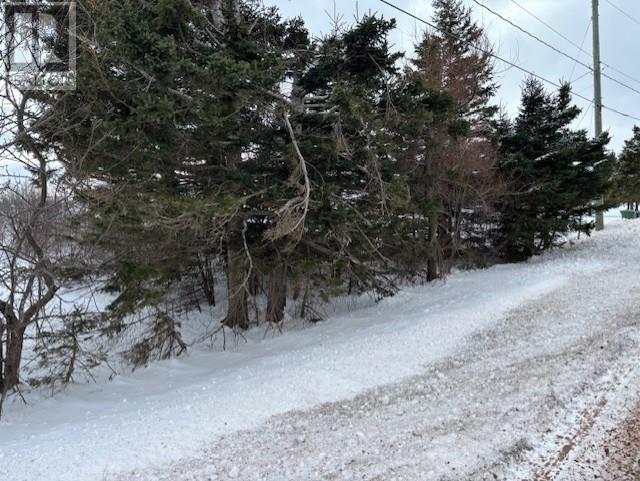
(597, 84)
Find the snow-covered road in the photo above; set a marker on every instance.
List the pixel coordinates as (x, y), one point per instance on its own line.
(497, 374)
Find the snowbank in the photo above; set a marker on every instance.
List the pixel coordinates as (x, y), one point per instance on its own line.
(172, 409)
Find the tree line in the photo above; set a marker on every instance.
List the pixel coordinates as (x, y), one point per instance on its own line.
(215, 152)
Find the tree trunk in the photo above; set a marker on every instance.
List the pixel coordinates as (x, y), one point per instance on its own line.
(277, 293)
(432, 261)
(217, 14)
(15, 341)
(237, 277)
(445, 241)
(221, 8)
(208, 280)
(255, 284)
(10, 362)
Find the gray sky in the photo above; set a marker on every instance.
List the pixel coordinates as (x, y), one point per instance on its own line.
(620, 37)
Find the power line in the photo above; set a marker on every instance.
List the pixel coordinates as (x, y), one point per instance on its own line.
(579, 47)
(508, 62)
(560, 34)
(555, 49)
(580, 77)
(584, 116)
(584, 39)
(628, 15)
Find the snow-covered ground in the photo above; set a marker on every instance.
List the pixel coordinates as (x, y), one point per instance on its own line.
(490, 375)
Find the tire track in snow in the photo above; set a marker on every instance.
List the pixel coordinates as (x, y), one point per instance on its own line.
(587, 419)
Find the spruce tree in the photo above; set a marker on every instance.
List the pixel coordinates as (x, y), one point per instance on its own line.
(456, 160)
(555, 173)
(627, 174)
(169, 135)
(341, 130)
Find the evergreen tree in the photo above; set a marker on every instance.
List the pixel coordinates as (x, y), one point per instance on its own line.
(455, 58)
(213, 140)
(455, 157)
(627, 174)
(171, 128)
(555, 173)
(343, 138)
(195, 155)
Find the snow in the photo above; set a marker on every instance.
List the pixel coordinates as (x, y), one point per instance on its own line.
(592, 456)
(445, 362)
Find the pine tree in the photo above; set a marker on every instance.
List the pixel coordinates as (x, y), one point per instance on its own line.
(456, 156)
(555, 173)
(341, 130)
(172, 128)
(455, 58)
(627, 174)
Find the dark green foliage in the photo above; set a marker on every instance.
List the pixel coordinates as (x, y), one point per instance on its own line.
(555, 173)
(343, 139)
(627, 173)
(229, 149)
(171, 124)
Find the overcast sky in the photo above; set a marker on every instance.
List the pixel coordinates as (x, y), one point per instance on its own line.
(620, 38)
